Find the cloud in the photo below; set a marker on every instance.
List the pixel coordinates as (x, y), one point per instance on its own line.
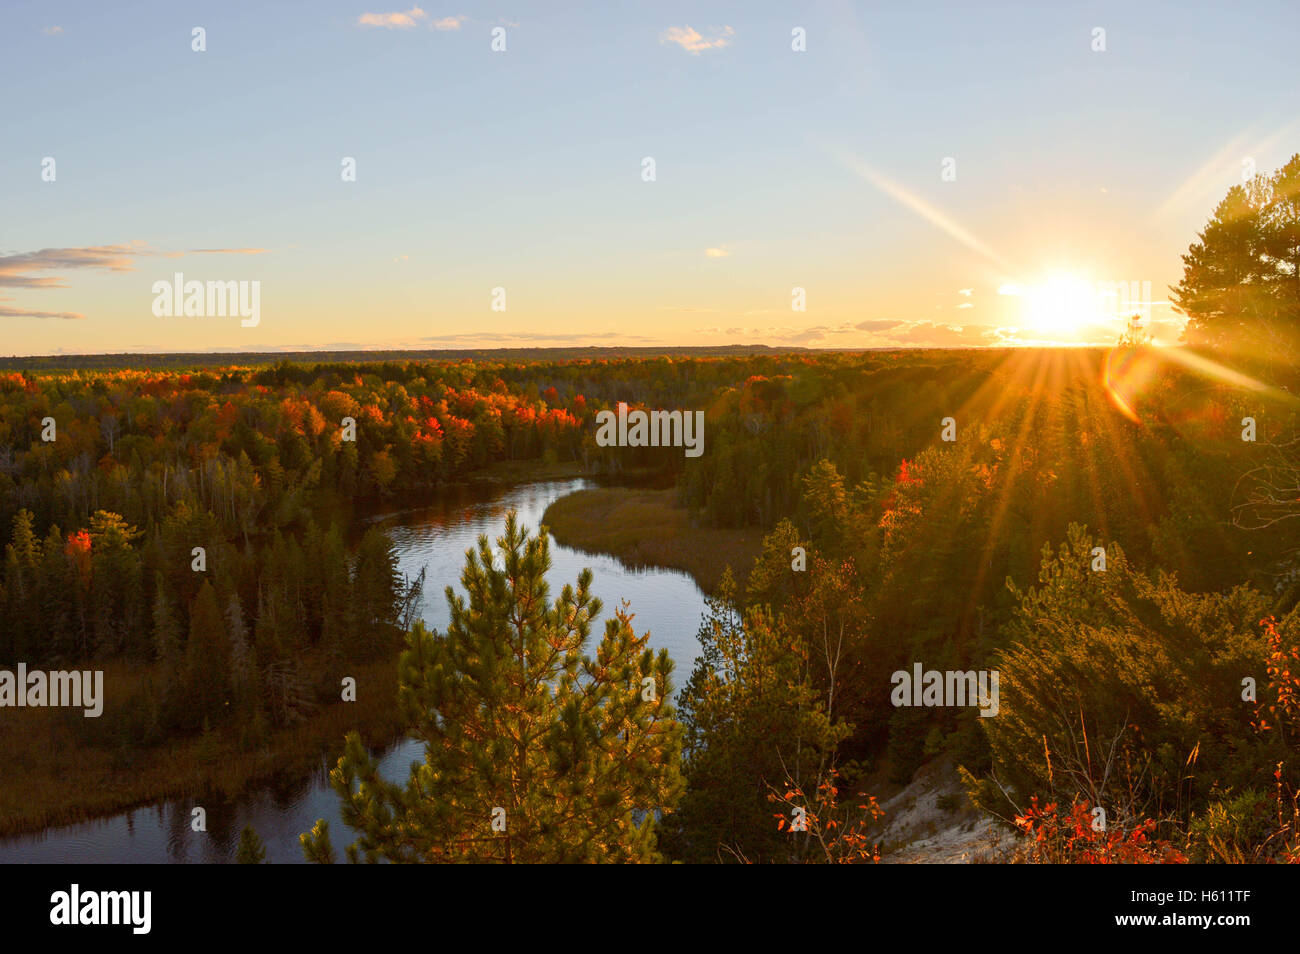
(22, 269)
(937, 334)
(692, 42)
(6, 312)
(965, 304)
(529, 337)
(391, 21)
(52, 30)
(965, 291)
(449, 23)
(716, 253)
(224, 251)
(873, 333)
(16, 270)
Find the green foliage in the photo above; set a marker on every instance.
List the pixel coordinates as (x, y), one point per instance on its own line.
(1239, 286)
(573, 756)
(1123, 689)
(1234, 830)
(755, 725)
(251, 851)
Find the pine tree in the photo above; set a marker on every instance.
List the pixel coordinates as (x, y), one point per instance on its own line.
(56, 588)
(169, 647)
(755, 726)
(251, 850)
(336, 598)
(207, 660)
(237, 633)
(534, 751)
(117, 598)
(376, 594)
(21, 556)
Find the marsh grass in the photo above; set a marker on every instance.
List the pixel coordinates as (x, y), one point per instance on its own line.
(648, 528)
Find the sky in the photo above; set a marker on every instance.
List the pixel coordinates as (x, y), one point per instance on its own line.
(923, 174)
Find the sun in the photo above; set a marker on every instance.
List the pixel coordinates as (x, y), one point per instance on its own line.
(1061, 305)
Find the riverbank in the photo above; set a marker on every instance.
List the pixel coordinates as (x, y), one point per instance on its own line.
(53, 777)
(648, 528)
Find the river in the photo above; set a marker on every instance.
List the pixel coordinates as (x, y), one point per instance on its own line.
(666, 602)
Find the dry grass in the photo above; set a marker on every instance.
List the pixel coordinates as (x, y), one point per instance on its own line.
(510, 472)
(648, 528)
(52, 777)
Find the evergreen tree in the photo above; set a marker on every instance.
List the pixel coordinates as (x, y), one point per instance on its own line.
(534, 751)
(1241, 278)
(251, 850)
(117, 596)
(169, 645)
(376, 595)
(207, 660)
(336, 596)
(240, 652)
(755, 727)
(21, 622)
(1123, 689)
(56, 590)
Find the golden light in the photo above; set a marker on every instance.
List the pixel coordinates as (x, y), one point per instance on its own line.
(1063, 305)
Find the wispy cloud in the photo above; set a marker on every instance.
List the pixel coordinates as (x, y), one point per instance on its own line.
(692, 41)
(52, 30)
(17, 271)
(523, 338)
(874, 333)
(393, 21)
(8, 312)
(24, 269)
(716, 253)
(226, 251)
(449, 23)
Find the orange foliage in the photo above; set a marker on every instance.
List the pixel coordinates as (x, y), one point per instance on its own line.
(1069, 838)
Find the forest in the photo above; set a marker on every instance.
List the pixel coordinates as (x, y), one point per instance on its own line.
(1112, 530)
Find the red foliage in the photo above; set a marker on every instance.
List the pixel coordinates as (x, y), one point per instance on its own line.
(1070, 838)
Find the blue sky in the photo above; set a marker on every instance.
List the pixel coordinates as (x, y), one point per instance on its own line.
(522, 169)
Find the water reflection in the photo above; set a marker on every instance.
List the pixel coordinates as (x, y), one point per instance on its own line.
(665, 602)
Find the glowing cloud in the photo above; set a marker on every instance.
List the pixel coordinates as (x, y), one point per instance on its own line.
(394, 21)
(693, 42)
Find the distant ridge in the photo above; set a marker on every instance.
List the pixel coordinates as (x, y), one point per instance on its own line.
(215, 359)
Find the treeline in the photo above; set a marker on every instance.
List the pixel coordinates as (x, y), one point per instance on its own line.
(198, 361)
(1044, 423)
(246, 638)
(193, 523)
(258, 448)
